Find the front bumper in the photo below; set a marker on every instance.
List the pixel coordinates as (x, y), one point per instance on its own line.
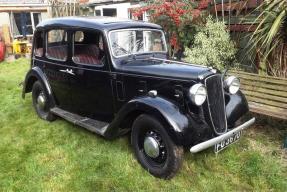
(206, 144)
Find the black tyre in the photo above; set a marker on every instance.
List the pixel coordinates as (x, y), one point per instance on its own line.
(154, 149)
(41, 102)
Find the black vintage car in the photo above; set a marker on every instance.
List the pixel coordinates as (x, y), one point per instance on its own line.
(113, 77)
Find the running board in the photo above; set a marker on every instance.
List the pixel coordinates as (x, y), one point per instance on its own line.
(95, 126)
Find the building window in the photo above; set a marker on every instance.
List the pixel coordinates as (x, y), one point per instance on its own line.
(24, 23)
(98, 12)
(110, 12)
(37, 18)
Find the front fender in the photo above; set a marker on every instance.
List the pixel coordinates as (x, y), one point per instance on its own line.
(236, 107)
(33, 75)
(165, 111)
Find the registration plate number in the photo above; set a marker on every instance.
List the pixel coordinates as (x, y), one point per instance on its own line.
(225, 143)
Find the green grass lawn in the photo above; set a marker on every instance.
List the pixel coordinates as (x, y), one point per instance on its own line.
(36, 155)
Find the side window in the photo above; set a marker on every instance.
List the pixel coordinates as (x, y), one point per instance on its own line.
(79, 36)
(88, 48)
(57, 45)
(38, 44)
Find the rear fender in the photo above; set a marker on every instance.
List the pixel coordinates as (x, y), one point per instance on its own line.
(33, 75)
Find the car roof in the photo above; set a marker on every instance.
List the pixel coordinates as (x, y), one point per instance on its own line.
(101, 23)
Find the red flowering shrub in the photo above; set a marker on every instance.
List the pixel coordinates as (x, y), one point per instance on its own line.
(178, 18)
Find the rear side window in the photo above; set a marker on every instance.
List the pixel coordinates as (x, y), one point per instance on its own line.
(57, 45)
(38, 44)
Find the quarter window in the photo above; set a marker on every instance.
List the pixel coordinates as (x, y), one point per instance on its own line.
(89, 48)
(57, 45)
(38, 44)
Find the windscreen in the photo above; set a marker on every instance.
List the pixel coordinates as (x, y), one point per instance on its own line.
(137, 41)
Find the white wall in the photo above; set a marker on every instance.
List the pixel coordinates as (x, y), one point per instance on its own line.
(44, 16)
(4, 19)
(122, 9)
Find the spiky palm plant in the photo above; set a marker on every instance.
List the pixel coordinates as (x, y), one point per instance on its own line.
(270, 37)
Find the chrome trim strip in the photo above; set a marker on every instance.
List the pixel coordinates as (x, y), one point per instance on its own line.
(179, 62)
(206, 144)
(207, 99)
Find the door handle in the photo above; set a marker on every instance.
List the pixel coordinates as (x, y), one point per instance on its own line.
(69, 71)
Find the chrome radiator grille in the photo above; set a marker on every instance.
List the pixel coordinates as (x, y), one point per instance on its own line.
(216, 103)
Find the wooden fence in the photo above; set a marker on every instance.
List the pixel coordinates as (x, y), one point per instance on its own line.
(265, 94)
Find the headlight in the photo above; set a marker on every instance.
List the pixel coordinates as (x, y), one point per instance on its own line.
(197, 94)
(232, 84)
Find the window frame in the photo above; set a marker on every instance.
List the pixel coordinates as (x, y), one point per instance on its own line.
(46, 45)
(103, 64)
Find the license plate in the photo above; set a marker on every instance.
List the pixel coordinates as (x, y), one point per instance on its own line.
(225, 143)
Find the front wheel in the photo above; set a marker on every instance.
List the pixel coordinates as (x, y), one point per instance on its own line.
(41, 102)
(154, 149)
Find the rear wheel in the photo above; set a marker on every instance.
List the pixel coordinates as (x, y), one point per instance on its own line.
(154, 149)
(41, 102)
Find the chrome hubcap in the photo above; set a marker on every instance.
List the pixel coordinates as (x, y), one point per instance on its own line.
(41, 100)
(151, 147)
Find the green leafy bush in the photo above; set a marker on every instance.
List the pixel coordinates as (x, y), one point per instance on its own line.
(212, 46)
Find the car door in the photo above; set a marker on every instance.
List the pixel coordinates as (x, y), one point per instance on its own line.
(56, 65)
(91, 85)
